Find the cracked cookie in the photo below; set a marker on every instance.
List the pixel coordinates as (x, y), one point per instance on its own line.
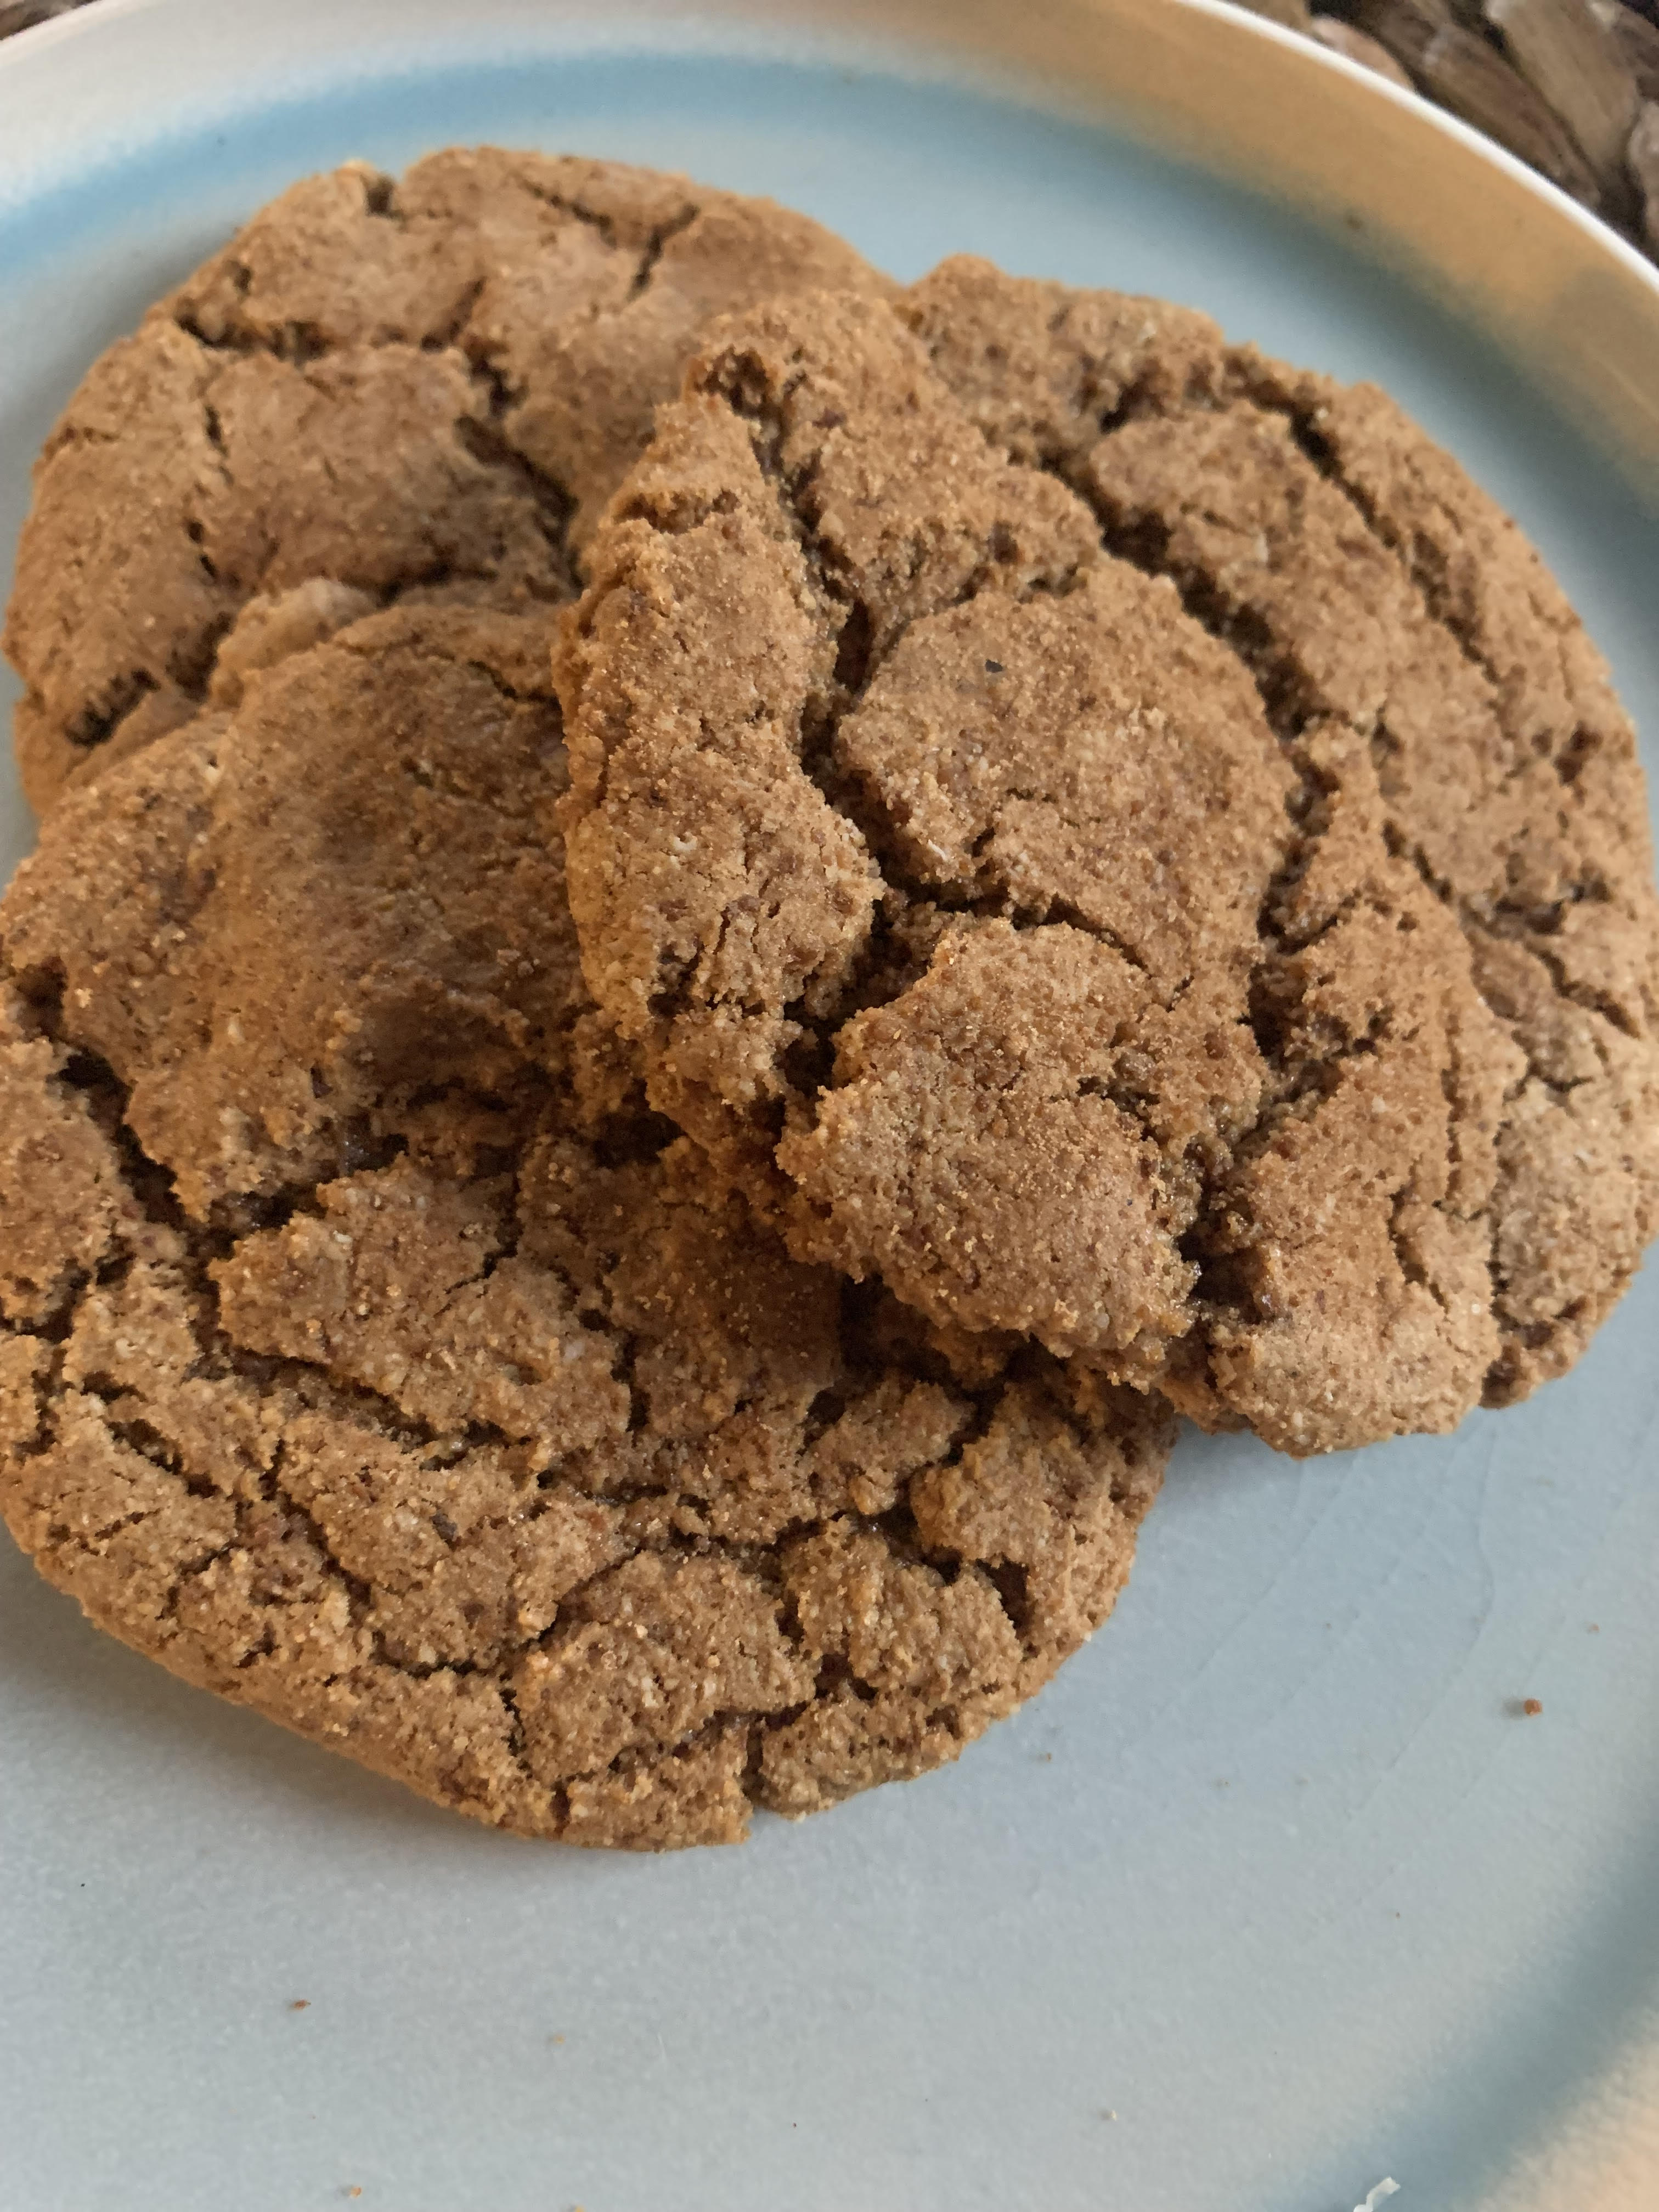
(380, 388)
(1123, 842)
(370, 1354)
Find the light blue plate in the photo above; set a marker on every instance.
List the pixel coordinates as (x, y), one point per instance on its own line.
(1272, 1894)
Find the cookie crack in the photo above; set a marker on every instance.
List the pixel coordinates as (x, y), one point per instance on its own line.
(192, 669)
(1410, 1268)
(654, 247)
(194, 1570)
(213, 429)
(1419, 562)
(1061, 912)
(858, 658)
(1424, 569)
(70, 435)
(572, 205)
(219, 1357)
(1569, 989)
(46, 1385)
(149, 1185)
(552, 505)
(98, 720)
(1280, 685)
(449, 333)
(506, 690)
(1145, 541)
(1532, 939)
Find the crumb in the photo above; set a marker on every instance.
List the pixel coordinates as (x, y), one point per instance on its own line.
(1530, 1706)
(1595, 1629)
(301, 2004)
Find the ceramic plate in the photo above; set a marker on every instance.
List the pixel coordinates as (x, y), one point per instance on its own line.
(1273, 1893)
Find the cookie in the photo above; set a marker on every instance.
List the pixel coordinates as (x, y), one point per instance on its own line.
(371, 1355)
(426, 386)
(1122, 841)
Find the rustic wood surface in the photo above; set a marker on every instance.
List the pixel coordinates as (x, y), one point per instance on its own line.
(1570, 86)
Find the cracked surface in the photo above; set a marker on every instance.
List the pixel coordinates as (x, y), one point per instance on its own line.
(380, 388)
(1122, 841)
(371, 1355)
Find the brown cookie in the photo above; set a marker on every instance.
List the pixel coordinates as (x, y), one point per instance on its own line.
(379, 388)
(1125, 843)
(370, 1355)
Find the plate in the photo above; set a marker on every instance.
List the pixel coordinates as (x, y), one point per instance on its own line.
(1273, 1893)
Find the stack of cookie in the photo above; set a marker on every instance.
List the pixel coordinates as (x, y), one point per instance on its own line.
(706, 933)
